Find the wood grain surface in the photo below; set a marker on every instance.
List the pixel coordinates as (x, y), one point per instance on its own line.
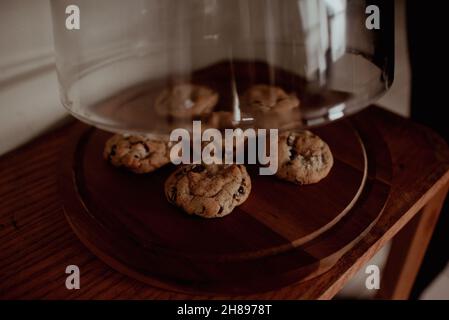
(282, 234)
(37, 243)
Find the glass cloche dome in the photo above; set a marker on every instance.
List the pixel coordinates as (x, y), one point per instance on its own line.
(148, 66)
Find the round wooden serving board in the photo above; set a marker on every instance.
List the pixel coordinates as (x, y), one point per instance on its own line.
(282, 234)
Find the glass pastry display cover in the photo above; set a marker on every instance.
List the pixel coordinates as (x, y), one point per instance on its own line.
(149, 66)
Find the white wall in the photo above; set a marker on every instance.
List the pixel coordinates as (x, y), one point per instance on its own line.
(29, 99)
(25, 30)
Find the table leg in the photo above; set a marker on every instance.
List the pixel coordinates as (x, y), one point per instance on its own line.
(408, 249)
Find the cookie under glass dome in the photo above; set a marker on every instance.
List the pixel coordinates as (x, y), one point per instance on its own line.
(114, 71)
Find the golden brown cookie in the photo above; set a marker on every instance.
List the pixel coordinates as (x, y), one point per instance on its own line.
(186, 100)
(137, 153)
(303, 158)
(264, 98)
(209, 191)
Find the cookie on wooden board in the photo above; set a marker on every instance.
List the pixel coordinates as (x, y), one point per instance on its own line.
(209, 191)
(303, 158)
(186, 100)
(137, 153)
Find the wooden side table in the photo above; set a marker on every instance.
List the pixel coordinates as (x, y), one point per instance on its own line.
(37, 243)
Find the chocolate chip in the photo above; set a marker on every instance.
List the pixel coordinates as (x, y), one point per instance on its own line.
(257, 103)
(221, 210)
(147, 149)
(113, 150)
(198, 169)
(241, 190)
(172, 196)
(293, 154)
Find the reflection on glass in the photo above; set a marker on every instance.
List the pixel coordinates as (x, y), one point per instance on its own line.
(113, 69)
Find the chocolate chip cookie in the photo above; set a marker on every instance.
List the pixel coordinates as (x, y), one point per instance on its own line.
(186, 100)
(303, 158)
(209, 191)
(264, 98)
(137, 153)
